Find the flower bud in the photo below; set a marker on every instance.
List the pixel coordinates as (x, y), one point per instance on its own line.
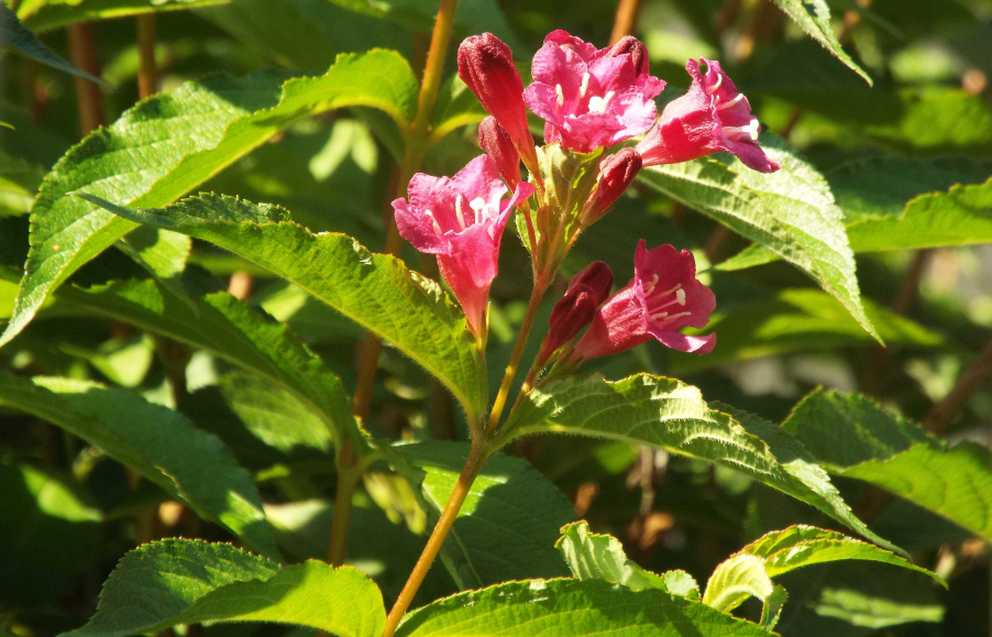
(586, 292)
(496, 143)
(629, 45)
(485, 64)
(615, 173)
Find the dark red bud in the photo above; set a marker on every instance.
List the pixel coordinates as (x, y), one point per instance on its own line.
(615, 174)
(635, 49)
(485, 64)
(586, 292)
(494, 140)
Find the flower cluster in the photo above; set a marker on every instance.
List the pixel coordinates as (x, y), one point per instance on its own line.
(591, 100)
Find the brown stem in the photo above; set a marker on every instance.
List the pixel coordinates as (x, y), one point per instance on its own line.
(911, 284)
(89, 98)
(716, 242)
(625, 19)
(147, 70)
(370, 347)
(473, 464)
(944, 412)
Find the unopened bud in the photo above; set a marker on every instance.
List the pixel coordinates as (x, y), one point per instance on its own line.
(494, 140)
(615, 173)
(586, 292)
(633, 47)
(485, 64)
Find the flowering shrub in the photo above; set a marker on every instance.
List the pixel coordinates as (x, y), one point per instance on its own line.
(321, 393)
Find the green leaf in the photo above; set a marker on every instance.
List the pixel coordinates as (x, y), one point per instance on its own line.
(171, 582)
(854, 437)
(508, 523)
(167, 145)
(159, 443)
(740, 576)
(14, 35)
(666, 413)
(790, 212)
(568, 607)
(377, 291)
(600, 556)
(19, 178)
(749, 572)
(46, 15)
(796, 320)
(230, 329)
(813, 17)
(41, 509)
(904, 216)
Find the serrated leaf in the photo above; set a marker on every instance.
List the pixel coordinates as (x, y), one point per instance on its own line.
(668, 414)
(959, 216)
(45, 15)
(376, 291)
(790, 212)
(159, 443)
(508, 523)
(749, 572)
(174, 581)
(854, 437)
(14, 35)
(813, 17)
(568, 607)
(165, 146)
(230, 329)
(601, 556)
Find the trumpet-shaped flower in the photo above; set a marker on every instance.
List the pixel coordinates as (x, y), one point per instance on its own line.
(461, 220)
(586, 292)
(591, 98)
(712, 116)
(663, 297)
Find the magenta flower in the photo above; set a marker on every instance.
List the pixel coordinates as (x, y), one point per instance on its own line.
(712, 116)
(663, 297)
(461, 220)
(592, 98)
(485, 64)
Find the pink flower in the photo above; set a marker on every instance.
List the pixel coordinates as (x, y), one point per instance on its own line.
(586, 292)
(494, 140)
(615, 174)
(591, 98)
(485, 64)
(461, 219)
(712, 116)
(663, 297)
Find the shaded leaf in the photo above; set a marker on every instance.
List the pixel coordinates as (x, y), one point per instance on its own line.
(14, 35)
(159, 443)
(813, 17)
(852, 436)
(45, 15)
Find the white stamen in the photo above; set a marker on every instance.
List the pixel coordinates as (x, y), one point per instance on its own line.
(665, 316)
(561, 95)
(750, 131)
(477, 205)
(585, 85)
(680, 296)
(598, 104)
(458, 211)
(716, 87)
(731, 103)
(437, 226)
